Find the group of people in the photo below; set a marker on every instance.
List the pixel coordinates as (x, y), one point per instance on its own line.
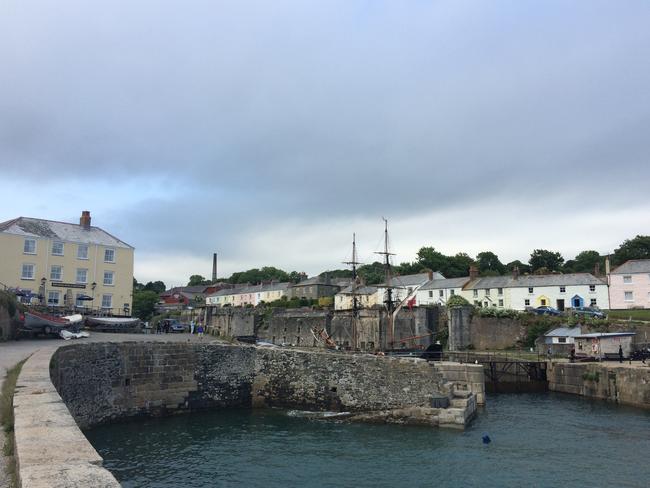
(164, 326)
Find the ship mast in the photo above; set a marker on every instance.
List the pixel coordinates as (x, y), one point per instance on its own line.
(389, 289)
(355, 302)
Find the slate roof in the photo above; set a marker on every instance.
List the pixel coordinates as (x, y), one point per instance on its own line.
(633, 266)
(240, 290)
(596, 335)
(564, 332)
(410, 280)
(315, 280)
(60, 231)
(446, 283)
(527, 281)
(361, 290)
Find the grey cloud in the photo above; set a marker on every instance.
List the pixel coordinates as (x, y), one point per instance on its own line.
(269, 110)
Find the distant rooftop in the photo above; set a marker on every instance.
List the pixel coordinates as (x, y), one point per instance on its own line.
(411, 280)
(525, 281)
(60, 231)
(445, 283)
(633, 266)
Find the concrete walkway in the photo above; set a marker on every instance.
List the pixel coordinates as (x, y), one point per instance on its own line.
(12, 352)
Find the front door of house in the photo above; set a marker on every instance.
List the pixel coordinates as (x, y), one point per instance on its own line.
(560, 305)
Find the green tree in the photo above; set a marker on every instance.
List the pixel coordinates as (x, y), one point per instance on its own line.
(144, 304)
(428, 257)
(523, 268)
(335, 273)
(196, 280)
(585, 262)
(541, 258)
(458, 265)
(637, 248)
(157, 286)
(489, 265)
(373, 273)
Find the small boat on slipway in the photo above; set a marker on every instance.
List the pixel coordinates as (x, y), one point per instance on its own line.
(116, 324)
(49, 324)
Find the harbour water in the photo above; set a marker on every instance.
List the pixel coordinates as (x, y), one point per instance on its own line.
(540, 440)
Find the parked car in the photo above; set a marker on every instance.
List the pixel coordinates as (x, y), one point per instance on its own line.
(592, 312)
(546, 310)
(173, 325)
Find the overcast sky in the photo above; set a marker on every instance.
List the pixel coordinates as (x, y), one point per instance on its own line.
(269, 131)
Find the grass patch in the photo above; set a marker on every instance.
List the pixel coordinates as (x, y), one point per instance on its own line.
(632, 314)
(7, 418)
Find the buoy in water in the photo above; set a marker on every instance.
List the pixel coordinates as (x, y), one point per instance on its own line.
(486, 439)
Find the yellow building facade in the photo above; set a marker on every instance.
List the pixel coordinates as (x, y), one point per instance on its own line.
(67, 265)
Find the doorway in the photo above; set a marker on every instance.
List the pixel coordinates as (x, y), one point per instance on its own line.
(560, 305)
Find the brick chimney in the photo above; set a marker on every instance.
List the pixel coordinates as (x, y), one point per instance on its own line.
(84, 220)
(473, 272)
(515, 272)
(597, 269)
(430, 274)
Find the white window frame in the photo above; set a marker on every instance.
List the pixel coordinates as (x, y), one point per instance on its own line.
(109, 301)
(563, 289)
(487, 292)
(475, 293)
(430, 293)
(26, 249)
(112, 280)
(81, 255)
(25, 266)
(531, 289)
(500, 302)
(593, 302)
(627, 279)
(51, 301)
(111, 250)
(54, 243)
(441, 293)
(592, 288)
(628, 296)
(77, 280)
(527, 302)
(52, 278)
(499, 291)
(452, 292)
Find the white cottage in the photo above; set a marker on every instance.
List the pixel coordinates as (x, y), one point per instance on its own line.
(562, 291)
(437, 292)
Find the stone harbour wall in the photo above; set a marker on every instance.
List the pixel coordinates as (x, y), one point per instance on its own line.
(604, 381)
(104, 381)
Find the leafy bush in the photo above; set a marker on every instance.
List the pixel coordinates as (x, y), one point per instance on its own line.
(457, 301)
(505, 313)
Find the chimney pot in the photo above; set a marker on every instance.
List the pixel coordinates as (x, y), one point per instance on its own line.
(84, 220)
(473, 272)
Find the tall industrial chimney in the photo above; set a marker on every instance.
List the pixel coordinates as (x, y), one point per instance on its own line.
(214, 268)
(84, 220)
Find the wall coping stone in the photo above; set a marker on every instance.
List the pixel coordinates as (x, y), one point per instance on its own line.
(51, 451)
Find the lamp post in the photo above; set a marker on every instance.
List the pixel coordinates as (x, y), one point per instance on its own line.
(41, 291)
(92, 287)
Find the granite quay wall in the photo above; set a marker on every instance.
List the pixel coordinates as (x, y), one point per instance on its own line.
(101, 382)
(605, 381)
(367, 332)
(467, 377)
(293, 326)
(232, 322)
(341, 382)
(467, 330)
(50, 450)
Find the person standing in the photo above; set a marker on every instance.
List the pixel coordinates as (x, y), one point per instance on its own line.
(200, 331)
(192, 324)
(620, 353)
